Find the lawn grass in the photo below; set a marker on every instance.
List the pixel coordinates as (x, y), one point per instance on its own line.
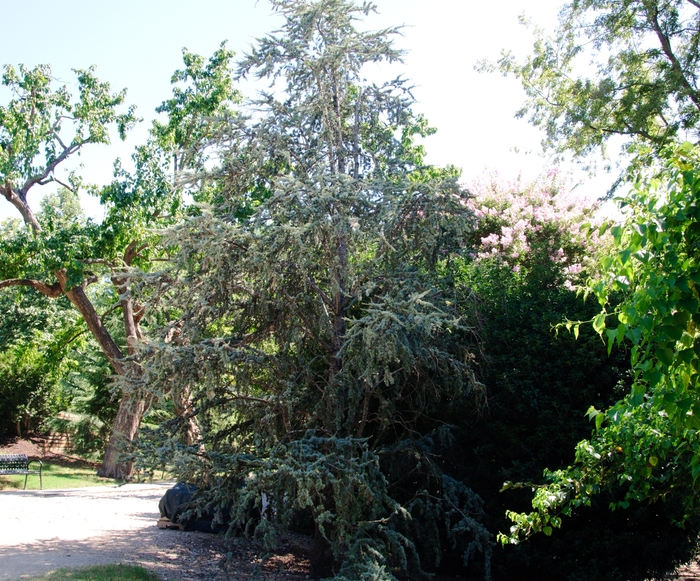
(57, 474)
(100, 573)
(69, 472)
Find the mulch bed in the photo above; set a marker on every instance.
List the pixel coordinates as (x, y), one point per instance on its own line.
(34, 447)
(31, 447)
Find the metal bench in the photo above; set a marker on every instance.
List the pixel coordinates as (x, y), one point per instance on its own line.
(19, 464)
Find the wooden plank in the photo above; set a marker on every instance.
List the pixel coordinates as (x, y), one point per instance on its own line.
(165, 523)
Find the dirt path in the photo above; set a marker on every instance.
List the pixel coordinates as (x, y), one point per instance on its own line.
(47, 530)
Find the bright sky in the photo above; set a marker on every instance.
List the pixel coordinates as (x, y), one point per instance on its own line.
(137, 44)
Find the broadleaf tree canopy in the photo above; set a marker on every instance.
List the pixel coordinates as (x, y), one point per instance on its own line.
(41, 127)
(614, 68)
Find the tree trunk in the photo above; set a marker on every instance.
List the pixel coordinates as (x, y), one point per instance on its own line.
(337, 405)
(182, 403)
(126, 427)
(133, 406)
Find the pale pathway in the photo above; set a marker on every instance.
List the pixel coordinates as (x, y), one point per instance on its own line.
(41, 531)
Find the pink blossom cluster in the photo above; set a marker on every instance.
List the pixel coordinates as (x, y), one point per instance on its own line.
(517, 220)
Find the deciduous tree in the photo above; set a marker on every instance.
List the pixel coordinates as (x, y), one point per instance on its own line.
(40, 129)
(645, 447)
(626, 68)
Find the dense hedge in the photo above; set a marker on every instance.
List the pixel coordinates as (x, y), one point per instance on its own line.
(540, 383)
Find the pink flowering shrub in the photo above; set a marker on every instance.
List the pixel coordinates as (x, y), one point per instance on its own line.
(532, 225)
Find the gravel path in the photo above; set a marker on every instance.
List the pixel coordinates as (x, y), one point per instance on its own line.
(46, 530)
(41, 531)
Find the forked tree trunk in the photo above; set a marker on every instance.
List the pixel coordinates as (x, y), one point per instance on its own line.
(132, 407)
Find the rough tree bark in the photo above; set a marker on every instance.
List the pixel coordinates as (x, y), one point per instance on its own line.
(191, 432)
(182, 404)
(133, 405)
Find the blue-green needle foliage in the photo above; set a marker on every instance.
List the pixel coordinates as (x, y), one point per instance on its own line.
(313, 328)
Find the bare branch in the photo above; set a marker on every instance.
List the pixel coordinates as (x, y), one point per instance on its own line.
(90, 279)
(653, 18)
(60, 183)
(97, 261)
(108, 311)
(132, 251)
(322, 295)
(48, 170)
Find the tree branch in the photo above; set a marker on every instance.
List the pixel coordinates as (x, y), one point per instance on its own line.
(50, 290)
(77, 296)
(19, 201)
(653, 17)
(60, 183)
(48, 170)
(132, 252)
(97, 261)
(322, 295)
(111, 309)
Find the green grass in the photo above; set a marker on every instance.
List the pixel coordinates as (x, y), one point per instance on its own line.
(61, 474)
(69, 473)
(100, 573)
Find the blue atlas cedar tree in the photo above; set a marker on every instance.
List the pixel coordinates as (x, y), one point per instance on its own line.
(313, 327)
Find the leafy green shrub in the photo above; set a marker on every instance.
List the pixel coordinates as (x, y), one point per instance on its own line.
(93, 405)
(540, 385)
(30, 392)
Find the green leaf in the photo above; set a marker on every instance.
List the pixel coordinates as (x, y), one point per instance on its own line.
(634, 335)
(653, 377)
(686, 356)
(599, 419)
(612, 337)
(674, 332)
(665, 355)
(599, 323)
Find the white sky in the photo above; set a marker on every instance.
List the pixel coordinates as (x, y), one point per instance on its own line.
(137, 44)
